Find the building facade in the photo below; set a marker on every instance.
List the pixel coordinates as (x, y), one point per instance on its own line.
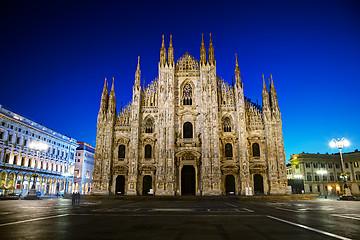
(54, 167)
(84, 167)
(189, 132)
(321, 172)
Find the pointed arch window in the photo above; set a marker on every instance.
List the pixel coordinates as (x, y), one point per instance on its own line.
(256, 150)
(188, 130)
(148, 151)
(121, 151)
(187, 94)
(149, 126)
(227, 124)
(228, 150)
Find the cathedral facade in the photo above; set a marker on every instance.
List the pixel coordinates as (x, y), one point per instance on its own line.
(189, 132)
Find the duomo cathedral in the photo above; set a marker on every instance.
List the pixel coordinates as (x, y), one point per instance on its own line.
(189, 132)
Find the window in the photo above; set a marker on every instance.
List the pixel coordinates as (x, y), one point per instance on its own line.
(149, 125)
(310, 188)
(25, 142)
(227, 125)
(315, 165)
(1, 135)
(3, 124)
(23, 161)
(15, 159)
(308, 177)
(356, 164)
(187, 94)
(332, 177)
(87, 174)
(10, 138)
(357, 176)
(324, 178)
(307, 165)
(121, 151)
(348, 178)
(148, 151)
(228, 150)
(346, 165)
(330, 165)
(256, 150)
(297, 166)
(187, 130)
(317, 177)
(18, 140)
(322, 165)
(337, 165)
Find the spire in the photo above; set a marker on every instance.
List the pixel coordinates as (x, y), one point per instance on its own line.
(211, 53)
(138, 74)
(266, 102)
(202, 51)
(121, 106)
(171, 52)
(162, 53)
(112, 103)
(237, 72)
(144, 85)
(112, 86)
(104, 98)
(264, 84)
(273, 95)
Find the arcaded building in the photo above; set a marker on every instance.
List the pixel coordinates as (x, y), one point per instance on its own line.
(189, 132)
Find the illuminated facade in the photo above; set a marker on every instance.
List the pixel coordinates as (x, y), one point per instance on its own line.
(321, 172)
(55, 166)
(84, 167)
(189, 133)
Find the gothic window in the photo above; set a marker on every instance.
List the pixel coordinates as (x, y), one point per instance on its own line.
(7, 158)
(228, 150)
(148, 151)
(227, 125)
(121, 151)
(187, 94)
(149, 126)
(256, 150)
(188, 130)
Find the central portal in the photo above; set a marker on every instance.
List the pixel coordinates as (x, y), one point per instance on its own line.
(188, 180)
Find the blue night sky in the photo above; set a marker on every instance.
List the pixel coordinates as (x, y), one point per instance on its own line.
(54, 56)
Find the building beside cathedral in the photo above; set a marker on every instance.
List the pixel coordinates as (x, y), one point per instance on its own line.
(189, 133)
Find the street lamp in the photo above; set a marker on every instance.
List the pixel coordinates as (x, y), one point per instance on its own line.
(340, 144)
(38, 146)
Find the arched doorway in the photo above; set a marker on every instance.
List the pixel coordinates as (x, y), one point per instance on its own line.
(120, 185)
(258, 184)
(230, 185)
(147, 184)
(188, 180)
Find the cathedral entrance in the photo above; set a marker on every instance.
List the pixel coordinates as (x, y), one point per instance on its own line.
(120, 185)
(147, 184)
(258, 184)
(230, 185)
(188, 180)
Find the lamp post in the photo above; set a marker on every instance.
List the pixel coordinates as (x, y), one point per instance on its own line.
(339, 144)
(38, 146)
